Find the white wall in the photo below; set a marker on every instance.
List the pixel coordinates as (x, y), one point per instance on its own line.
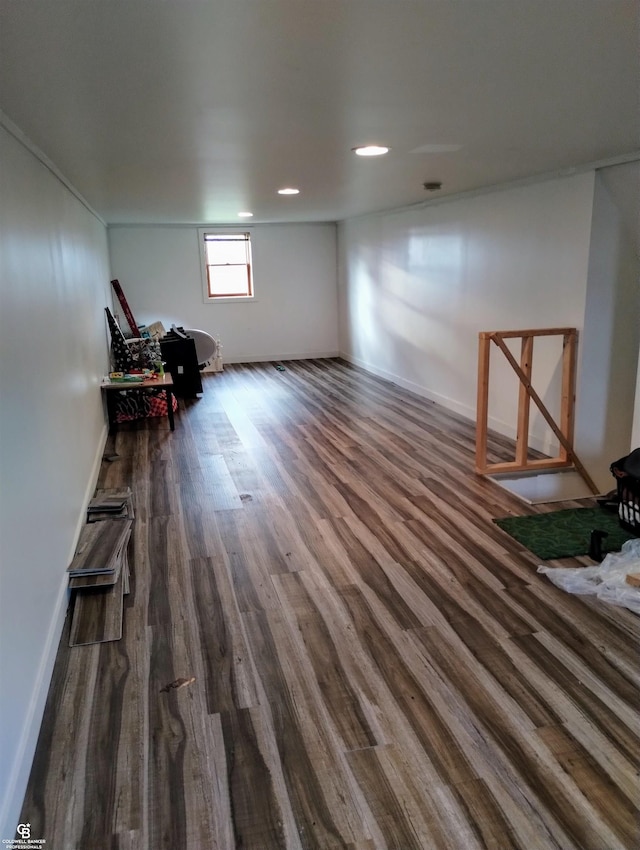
(53, 351)
(635, 432)
(294, 313)
(416, 286)
(611, 336)
(622, 185)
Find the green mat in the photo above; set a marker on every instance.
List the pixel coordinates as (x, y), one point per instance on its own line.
(565, 534)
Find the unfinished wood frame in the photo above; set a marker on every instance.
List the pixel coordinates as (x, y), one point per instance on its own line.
(563, 431)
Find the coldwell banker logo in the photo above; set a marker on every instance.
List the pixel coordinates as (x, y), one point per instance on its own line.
(25, 840)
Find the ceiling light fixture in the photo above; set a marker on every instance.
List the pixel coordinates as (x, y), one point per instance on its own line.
(245, 215)
(289, 191)
(370, 150)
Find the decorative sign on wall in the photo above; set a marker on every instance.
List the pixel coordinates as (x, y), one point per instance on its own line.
(125, 307)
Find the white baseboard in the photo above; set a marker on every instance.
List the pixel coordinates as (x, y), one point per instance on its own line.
(21, 767)
(267, 358)
(19, 776)
(544, 445)
(212, 368)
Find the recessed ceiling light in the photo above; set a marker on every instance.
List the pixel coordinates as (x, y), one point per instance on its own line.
(245, 215)
(289, 191)
(370, 150)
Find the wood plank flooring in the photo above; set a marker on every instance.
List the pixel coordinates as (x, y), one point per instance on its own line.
(376, 664)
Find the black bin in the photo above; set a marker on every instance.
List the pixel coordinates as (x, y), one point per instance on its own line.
(626, 471)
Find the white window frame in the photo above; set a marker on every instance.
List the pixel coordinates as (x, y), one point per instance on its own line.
(224, 299)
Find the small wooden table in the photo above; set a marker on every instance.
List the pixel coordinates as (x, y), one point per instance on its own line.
(164, 383)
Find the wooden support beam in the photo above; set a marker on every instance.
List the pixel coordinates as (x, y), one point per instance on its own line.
(482, 407)
(522, 434)
(539, 465)
(531, 332)
(564, 442)
(567, 419)
(564, 432)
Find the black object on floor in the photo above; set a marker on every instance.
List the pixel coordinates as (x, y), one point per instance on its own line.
(595, 544)
(179, 355)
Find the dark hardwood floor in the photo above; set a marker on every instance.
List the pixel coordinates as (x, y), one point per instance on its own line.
(376, 664)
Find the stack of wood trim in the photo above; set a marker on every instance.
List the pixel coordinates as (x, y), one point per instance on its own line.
(110, 504)
(99, 571)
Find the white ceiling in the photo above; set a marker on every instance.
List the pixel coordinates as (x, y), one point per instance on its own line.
(193, 110)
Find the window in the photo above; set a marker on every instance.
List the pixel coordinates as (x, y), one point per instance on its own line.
(227, 261)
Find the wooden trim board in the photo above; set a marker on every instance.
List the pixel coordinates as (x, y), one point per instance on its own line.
(99, 546)
(97, 615)
(96, 580)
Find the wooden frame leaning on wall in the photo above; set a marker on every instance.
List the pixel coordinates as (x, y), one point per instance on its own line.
(526, 393)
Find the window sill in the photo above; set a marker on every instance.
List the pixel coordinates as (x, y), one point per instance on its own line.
(233, 300)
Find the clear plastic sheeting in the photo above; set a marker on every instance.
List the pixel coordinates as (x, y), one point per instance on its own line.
(607, 581)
